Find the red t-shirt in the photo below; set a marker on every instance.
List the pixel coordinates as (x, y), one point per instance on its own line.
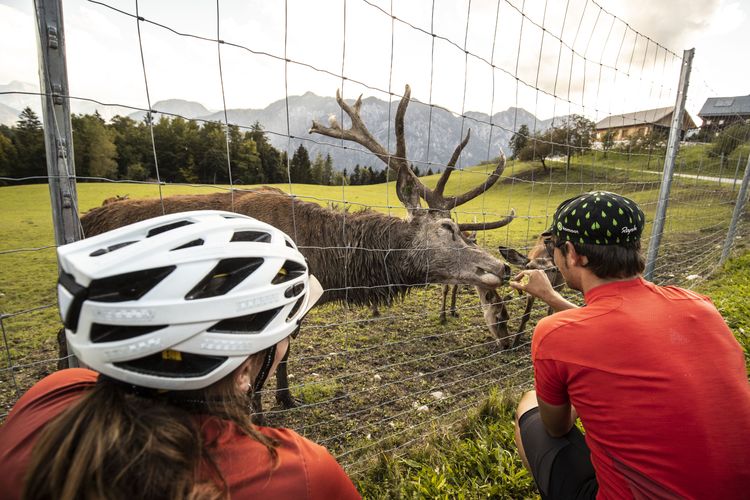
(661, 388)
(305, 469)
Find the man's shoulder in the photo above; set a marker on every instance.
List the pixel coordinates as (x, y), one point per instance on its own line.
(676, 293)
(572, 318)
(552, 325)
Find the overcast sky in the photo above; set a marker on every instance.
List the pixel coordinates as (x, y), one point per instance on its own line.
(104, 58)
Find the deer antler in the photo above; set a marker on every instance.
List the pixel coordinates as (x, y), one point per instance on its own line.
(436, 200)
(482, 226)
(408, 186)
(438, 191)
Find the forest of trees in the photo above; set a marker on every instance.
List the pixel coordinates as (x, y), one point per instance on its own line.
(186, 151)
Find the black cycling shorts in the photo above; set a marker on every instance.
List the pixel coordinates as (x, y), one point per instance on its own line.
(561, 466)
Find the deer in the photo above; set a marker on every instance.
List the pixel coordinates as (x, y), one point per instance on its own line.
(536, 258)
(363, 257)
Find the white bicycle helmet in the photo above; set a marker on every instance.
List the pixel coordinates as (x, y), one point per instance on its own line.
(179, 301)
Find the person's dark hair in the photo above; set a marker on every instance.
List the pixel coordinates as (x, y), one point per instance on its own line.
(611, 261)
(116, 443)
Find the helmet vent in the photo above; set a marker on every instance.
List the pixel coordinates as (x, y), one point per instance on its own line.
(167, 227)
(227, 274)
(256, 236)
(102, 251)
(252, 323)
(289, 244)
(194, 243)
(128, 286)
(113, 333)
(186, 365)
(289, 271)
(296, 307)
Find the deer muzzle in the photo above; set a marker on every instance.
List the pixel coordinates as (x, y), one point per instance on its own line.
(495, 276)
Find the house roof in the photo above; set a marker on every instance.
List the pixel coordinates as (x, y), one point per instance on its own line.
(635, 118)
(643, 117)
(722, 106)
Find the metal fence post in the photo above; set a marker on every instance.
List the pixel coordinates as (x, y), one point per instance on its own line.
(58, 131)
(738, 208)
(673, 145)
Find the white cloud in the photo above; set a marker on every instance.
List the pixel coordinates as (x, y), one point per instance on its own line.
(18, 46)
(104, 61)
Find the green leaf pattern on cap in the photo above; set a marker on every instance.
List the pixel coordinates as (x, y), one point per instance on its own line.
(616, 220)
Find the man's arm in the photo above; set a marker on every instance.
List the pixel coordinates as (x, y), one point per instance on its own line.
(557, 419)
(540, 287)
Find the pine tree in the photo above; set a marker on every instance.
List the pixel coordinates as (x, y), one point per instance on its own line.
(355, 178)
(316, 172)
(327, 178)
(300, 166)
(28, 142)
(274, 170)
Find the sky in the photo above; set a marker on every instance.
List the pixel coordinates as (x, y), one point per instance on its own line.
(550, 57)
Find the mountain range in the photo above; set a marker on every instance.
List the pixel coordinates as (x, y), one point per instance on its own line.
(443, 128)
(431, 133)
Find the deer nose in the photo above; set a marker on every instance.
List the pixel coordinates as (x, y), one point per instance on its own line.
(506, 272)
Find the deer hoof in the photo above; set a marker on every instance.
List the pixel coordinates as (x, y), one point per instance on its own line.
(443, 319)
(454, 314)
(288, 402)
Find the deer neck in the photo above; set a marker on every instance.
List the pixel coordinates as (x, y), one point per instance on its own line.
(359, 257)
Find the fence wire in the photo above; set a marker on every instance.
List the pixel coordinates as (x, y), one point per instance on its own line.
(367, 381)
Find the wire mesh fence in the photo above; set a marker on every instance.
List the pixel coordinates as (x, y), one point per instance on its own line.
(369, 381)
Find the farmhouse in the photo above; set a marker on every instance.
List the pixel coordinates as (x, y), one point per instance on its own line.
(720, 112)
(640, 123)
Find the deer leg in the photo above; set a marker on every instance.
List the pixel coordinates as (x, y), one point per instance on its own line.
(258, 417)
(283, 396)
(443, 320)
(62, 350)
(524, 320)
(375, 311)
(454, 293)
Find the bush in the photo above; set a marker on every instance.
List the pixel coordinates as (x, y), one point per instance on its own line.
(137, 172)
(729, 138)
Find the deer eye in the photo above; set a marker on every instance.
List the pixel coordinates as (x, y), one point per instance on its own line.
(448, 227)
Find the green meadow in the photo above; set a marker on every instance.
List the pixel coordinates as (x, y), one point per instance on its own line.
(364, 381)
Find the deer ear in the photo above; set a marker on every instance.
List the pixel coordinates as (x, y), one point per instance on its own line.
(513, 257)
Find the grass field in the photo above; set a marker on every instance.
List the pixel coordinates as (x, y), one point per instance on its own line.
(378, 387)
(692, 159)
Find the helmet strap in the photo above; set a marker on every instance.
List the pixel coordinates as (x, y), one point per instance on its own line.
(265, 369)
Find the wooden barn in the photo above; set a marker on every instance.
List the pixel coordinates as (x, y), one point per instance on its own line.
(640, 123)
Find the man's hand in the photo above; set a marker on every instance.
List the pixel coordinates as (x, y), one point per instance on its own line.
(536, 283)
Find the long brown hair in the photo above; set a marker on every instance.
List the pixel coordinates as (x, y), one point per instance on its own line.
(123, 444)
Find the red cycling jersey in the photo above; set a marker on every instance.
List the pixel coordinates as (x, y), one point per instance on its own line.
(305, 469)
(660, 385)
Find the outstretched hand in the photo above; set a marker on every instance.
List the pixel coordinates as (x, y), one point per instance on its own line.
(534, 282)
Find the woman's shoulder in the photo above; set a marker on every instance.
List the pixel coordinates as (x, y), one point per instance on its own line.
(58, 382)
